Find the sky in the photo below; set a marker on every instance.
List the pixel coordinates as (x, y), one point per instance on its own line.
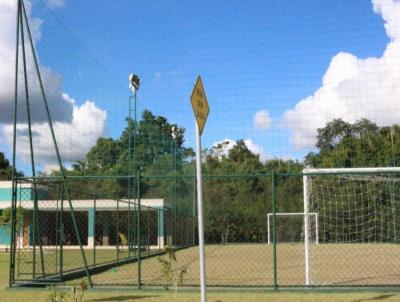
(274, 71)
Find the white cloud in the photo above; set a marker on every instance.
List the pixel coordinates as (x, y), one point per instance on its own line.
(227, 144)
(353, 88)
(221, 148)
(262, 120)
(55, 3)
(77, 127)
(48, 169)
(74, 139)
(61, 110)
(256, 149)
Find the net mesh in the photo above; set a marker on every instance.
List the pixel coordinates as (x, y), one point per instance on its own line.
(290, 227)
(356, 208)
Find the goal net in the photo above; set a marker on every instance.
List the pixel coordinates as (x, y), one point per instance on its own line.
(354, 206)
(290, 227)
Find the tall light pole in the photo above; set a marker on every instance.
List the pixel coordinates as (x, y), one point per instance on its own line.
(134, 83)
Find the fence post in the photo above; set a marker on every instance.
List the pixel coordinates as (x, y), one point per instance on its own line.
(94, 229)
(117, 231)
(274, 232)
(61, 230)
(11, 275)
(138, 231)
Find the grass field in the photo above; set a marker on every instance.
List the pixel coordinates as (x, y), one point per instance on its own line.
(252, 265)
(71, 260)
(246, 265)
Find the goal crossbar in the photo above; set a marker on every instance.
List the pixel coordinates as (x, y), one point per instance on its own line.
(317, 171)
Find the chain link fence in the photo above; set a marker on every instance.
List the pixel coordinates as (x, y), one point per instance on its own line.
(256, 230)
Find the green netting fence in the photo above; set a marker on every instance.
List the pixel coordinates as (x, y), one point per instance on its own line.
(258, 232)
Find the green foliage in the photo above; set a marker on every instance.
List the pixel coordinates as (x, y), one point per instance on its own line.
(361, 144)
(156, 148)
(5, 217)
(55, 296)
(236, 207)
(61, 296)
(172, 273)
(5, 168)
(155, 144)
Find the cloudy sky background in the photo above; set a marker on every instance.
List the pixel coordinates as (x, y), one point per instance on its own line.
(273, 73)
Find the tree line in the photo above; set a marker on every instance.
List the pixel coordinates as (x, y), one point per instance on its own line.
(237, 184)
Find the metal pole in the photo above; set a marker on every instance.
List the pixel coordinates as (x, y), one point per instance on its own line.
(14, 188)
(139, 272)
(94, 230)
(35, 201)
(61, 231)
(57, 237)
(274, 231)
(117, 232)
(194, 213)
(129, 161)
(129, 173)
(64, 178)
(148, 230)
(306, 233)
(135, 132)
(200, 216)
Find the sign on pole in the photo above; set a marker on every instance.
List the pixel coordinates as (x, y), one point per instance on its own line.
(200, 104)
(201, 110)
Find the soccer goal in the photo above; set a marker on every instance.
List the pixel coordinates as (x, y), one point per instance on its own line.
(289, 227)
(357, 209)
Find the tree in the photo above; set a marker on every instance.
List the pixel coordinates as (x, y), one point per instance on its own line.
(5, 168)
(363, 143)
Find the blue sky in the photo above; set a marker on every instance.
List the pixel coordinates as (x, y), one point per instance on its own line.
(252, 56)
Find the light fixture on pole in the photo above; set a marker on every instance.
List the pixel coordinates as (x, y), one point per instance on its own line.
(134, 82)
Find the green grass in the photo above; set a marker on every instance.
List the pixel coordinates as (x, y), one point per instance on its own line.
(71, 260)
(252, 265)
(15, 295)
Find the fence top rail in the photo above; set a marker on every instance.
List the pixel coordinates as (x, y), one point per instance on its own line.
(305, 171)
(100, 204)
(144, 176)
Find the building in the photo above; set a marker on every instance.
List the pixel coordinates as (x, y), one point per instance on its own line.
(104, 223)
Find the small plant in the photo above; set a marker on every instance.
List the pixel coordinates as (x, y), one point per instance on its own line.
(55, 296)
(123, 239)
(77, 295)
(171, 271)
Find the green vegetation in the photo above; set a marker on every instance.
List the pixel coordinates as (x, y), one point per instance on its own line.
(5, 168)
(172, 271)
(5, 215)
(236, 205)
(77, 294)
(361, 144)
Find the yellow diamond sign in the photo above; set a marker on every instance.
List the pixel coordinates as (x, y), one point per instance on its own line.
(200, 104)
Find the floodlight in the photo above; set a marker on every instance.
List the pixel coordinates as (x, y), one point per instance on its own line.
(173, 132)
(134, 82)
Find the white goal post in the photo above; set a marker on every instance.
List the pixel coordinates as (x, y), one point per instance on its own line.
(310, 201)
(301, 214)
